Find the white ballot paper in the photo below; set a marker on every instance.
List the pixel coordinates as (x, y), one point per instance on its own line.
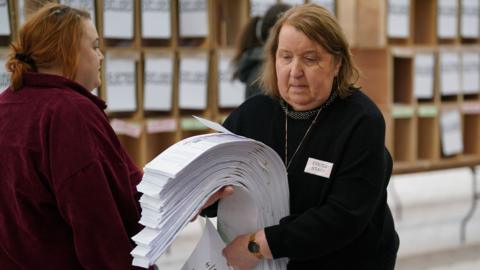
(158, 79)
(447, 18)
(469, 20)
(208, 252)
(193, 18)
(424, 67)
(4, 19)
(230, 93)
(21, 12)
(293, 2)
(156, 19)
(192, 87)
(259, 7)
(470, 72)
(87, 5)
(118, 19)
(449, 73)
(120, 84)
(328, 4)
(398, 18)
(4, 76)
(451, 132)
(179, 181)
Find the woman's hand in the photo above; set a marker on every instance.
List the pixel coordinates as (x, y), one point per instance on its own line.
(220, 194)
(239, 257)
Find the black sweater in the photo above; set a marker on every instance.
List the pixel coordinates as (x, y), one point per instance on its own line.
(340, 222)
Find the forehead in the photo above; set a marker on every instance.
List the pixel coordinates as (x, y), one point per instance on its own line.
(293, 39)
(89, 30)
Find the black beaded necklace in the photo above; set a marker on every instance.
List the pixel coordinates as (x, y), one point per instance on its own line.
(305, 115)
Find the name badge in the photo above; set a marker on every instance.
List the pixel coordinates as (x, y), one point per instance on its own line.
(319, 167)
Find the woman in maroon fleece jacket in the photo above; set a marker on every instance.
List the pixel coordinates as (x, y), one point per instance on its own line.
(67, 187)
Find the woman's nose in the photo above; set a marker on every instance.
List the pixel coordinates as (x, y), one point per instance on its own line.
(297, 69)
(100, 54)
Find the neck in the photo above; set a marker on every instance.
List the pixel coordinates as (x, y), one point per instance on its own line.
(288, 162)
(308, 107)
(51, 71)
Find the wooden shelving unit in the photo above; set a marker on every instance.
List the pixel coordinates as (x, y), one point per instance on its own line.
(417, 71)
(410, 68)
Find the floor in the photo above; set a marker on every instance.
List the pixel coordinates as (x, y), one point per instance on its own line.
(465, 258)
(432, 208)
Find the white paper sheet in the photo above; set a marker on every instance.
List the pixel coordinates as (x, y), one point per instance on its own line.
(161, 125)
(213, 125)
(118, 19)
(469, 18)
(21, 12)
(193, 82)
(87, 5)
(424, 64)
(451, 132)
(120, 85)
(238, 214)
(259, 7)
(293, 2)
(156, 19)
(449, 73)
(4, 19)
(158, 83)
(4, 76)
(447, 18)
(207, 255)
(122, 127)
(193, 18)
(179, 181)
(470, 72)
(398, 18)
(231, 93)
(328, 4)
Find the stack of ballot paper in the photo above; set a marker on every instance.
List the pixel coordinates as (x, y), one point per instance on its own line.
(179, 181)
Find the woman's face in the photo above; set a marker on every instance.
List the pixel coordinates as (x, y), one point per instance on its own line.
(305, 70)
(90, 58)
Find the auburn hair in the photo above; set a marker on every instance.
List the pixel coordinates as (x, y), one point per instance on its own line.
(319, 25)
(49, 38)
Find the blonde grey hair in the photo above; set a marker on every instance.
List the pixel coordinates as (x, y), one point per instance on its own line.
(319, 25)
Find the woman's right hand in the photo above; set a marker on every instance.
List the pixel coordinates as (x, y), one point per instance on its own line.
(225, 191)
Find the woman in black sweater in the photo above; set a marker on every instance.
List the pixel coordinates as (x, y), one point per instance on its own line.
(331, 137)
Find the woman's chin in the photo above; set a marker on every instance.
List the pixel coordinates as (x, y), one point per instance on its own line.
(303, 104)
(96, 85)
(299, 105)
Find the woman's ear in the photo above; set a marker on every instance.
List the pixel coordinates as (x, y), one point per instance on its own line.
(338, 65)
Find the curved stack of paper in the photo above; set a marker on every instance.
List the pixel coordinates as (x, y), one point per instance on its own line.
(179, 181)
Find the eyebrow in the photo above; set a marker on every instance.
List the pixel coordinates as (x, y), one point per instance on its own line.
(303, 53)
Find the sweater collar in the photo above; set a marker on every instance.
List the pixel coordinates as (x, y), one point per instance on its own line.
(36, 80)
(305, 115)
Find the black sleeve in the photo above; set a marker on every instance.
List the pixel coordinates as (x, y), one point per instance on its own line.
(358, 184)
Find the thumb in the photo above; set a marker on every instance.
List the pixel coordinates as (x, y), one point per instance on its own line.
(226, 191)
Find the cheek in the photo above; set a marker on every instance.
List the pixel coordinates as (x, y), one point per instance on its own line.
(93, 58)
(282, 73)
(319, 81)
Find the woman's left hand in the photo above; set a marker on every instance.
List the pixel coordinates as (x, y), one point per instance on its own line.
(237, 254)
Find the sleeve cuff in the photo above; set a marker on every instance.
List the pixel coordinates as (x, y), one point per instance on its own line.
(274, 238)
